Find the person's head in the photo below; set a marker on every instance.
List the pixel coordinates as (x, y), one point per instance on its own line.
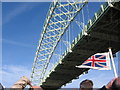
(1, 87)
(116, 84)
(35, 88)
(86, 85)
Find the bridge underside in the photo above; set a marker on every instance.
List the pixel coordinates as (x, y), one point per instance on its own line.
(103, 33)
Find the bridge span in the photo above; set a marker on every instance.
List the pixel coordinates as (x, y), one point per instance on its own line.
(100, 33)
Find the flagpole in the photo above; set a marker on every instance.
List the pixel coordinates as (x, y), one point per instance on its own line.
(113, 64)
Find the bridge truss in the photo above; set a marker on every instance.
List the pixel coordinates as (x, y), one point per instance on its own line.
(58, 19)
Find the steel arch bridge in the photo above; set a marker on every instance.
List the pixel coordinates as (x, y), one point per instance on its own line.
(69, 30)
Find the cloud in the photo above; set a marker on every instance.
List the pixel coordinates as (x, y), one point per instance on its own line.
(12, 73)
(16, 43)
(17, 11)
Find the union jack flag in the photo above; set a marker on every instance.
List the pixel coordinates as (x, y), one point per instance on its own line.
(99, 61)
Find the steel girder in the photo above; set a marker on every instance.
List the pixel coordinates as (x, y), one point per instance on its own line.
(58, 19)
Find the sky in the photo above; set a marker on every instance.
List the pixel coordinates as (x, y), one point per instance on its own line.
(22, 23)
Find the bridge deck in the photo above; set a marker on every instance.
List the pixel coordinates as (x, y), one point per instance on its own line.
(103, 31)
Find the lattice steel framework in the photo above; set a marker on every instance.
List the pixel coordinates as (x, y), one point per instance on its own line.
(59, 17)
